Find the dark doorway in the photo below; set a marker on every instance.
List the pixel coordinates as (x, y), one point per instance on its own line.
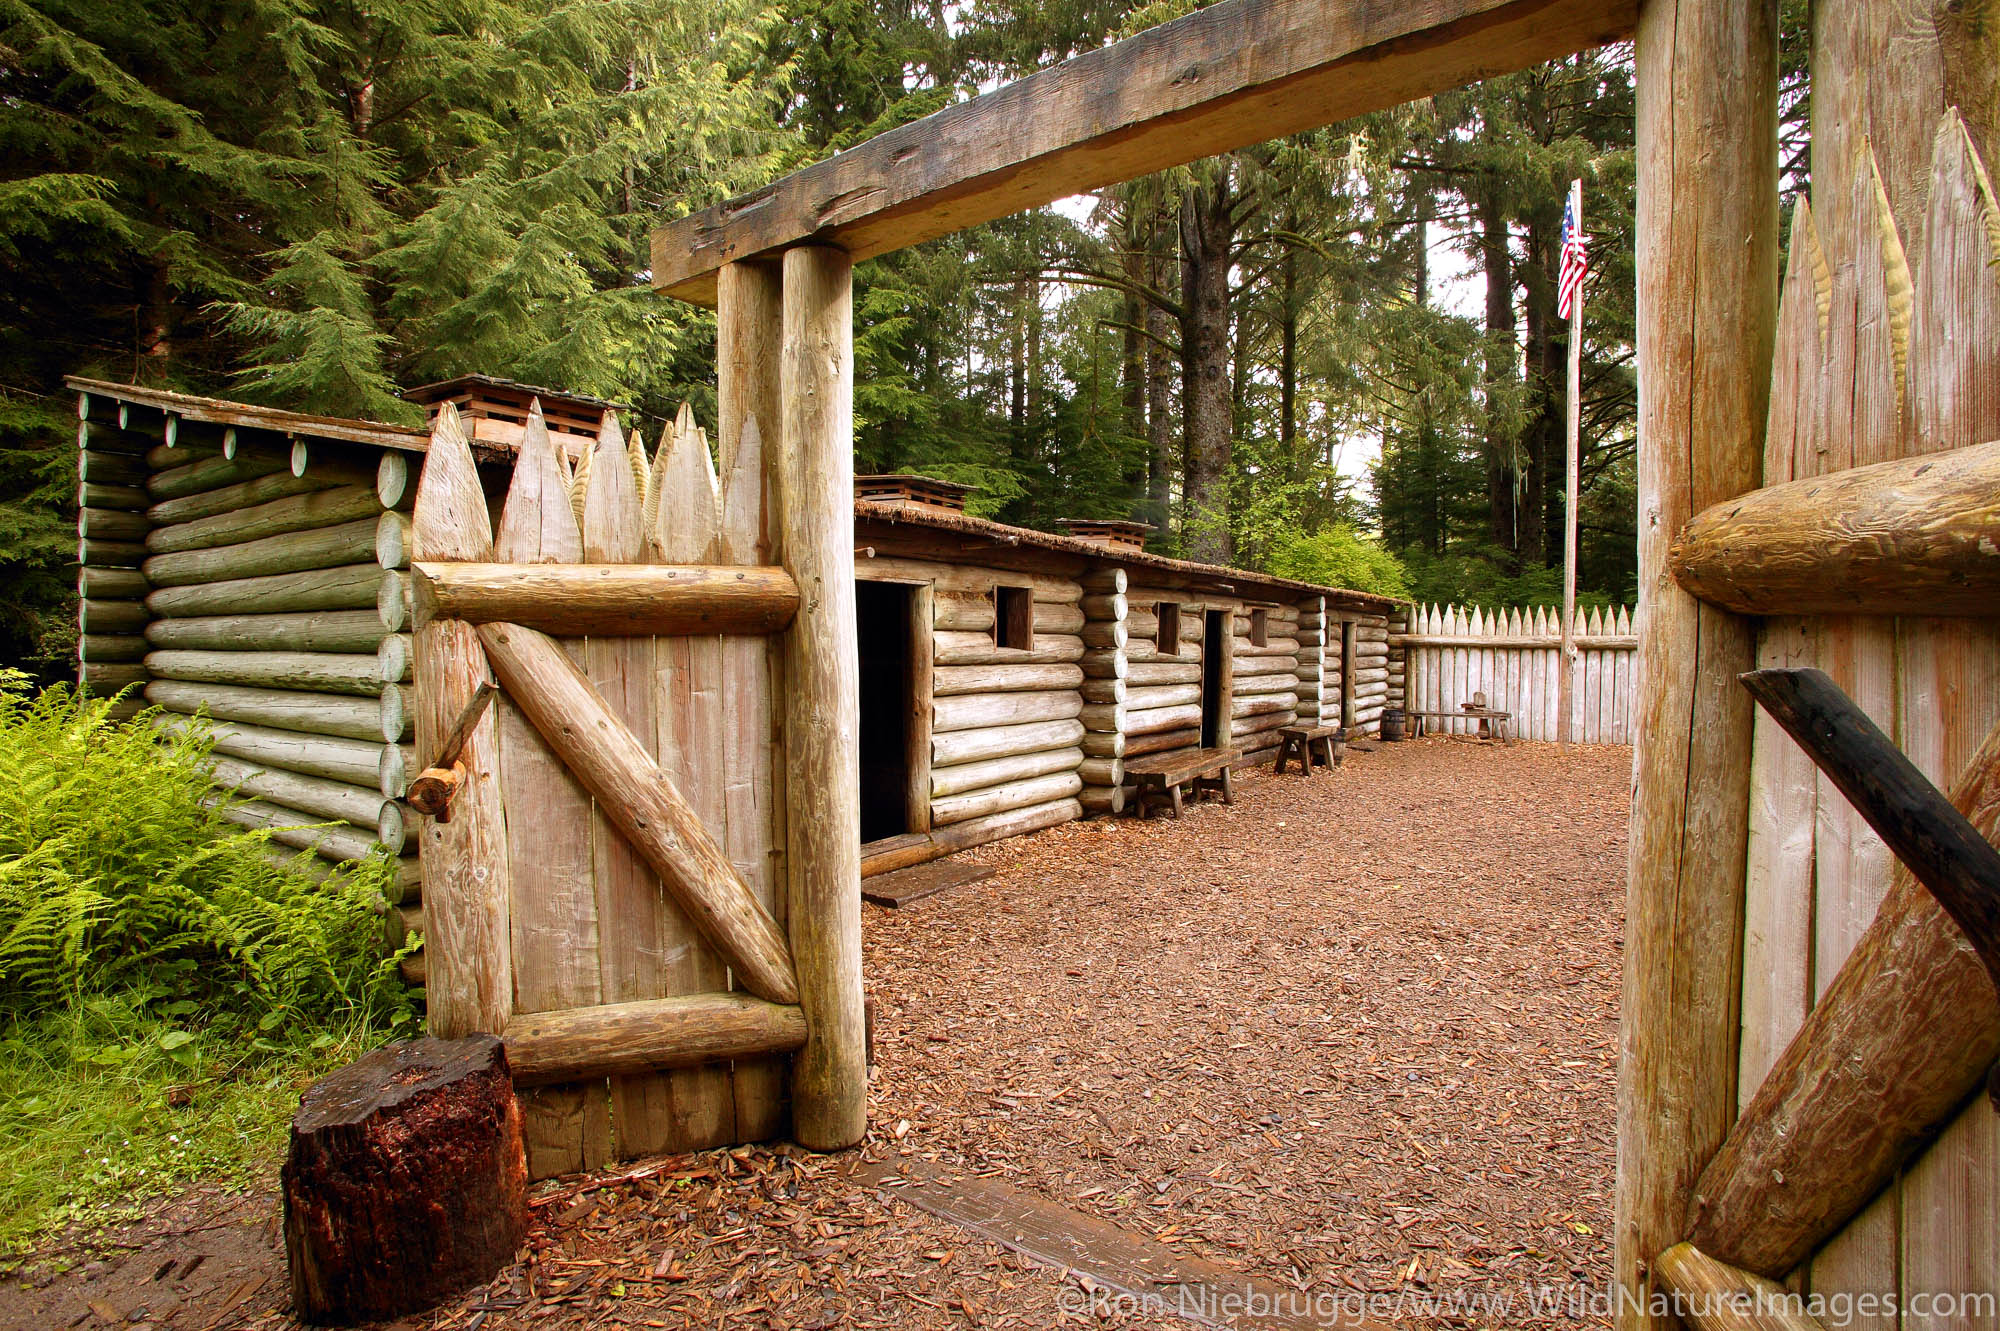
(883, 619)
(1217, 639)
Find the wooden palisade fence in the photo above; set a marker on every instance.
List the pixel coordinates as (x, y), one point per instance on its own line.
(1511, 656)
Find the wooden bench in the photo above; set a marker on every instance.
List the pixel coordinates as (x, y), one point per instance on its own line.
(1298, 743)
(1161, 777)
(1492, 723)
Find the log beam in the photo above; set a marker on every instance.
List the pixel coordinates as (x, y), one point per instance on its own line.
(616, 1039)
(1239, 72)
(1915, 533)
(1713, 1296)
(613, 600)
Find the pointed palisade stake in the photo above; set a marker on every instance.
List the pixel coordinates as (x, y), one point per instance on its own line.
(466, 886)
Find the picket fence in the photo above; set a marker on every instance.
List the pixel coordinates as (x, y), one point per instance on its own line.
(1513, 656)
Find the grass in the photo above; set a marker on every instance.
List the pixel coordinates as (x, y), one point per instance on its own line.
(166, 988)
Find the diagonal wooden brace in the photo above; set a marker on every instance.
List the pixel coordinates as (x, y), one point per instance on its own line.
(1915, 819)
(583, 731)
(432, 790)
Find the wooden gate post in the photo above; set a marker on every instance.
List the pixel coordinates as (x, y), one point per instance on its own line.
(822, 702)
(1708, 283)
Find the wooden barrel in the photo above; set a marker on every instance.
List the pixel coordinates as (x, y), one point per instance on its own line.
(1392, 723)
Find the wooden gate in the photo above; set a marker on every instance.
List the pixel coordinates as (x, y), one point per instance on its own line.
(618, 884)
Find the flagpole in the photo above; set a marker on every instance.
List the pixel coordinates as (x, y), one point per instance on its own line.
(1566, 673)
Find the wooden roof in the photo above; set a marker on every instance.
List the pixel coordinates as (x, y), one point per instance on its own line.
(246, 416)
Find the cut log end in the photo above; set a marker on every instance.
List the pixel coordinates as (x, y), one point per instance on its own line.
(406, 1180)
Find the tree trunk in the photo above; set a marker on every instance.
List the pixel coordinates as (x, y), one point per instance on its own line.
(1288, 353)
(1497, 259)
(1159, 392)
(406, 1180)
(1206, 235)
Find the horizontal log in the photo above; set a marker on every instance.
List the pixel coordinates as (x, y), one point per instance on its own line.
(384, 539)
(1252, 725)
(1714, 1296)
(968, 578)
(1161, 695)
(352, 762)
(1103, 580)
(329, 631)
(620, 1039)
(921, 847)
(952, 681)
(1250, 667)
(967, 746)
(96, 553)
(107, 677)
(231, 498)
(1101, 801)
(1102, 771)
(1102, 606)
(1915, 533)
(1104, 634)
(612, 600)
(1144, 626)
(1098, 744)
(362, 806)
(964, 777)
(974, 614)
(1105, 663)
(1101, 691)
(329, 838)
(394, 658)
(1262, 705)
(112, 524)
(1163, 741)
(214, 473)
(1593, 642)
(380, 719)
(978, 649)
(113, 438)
(128, 617)
(1265, 70)
(313, 672)
(1266, 684)
(1149, 673)
(1271, 646)
(277, 517)
(111, 647)
(348, 587)
(1102, 716)
(1155, 720)
(112, 584)
(98, 468)
(979, 711)
(1032, 793)
(393, 601)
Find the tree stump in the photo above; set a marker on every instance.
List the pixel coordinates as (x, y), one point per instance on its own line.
(406, 1180)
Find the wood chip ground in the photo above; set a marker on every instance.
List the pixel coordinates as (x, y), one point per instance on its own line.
(1355, 1037)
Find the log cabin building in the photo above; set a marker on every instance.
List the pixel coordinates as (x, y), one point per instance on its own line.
(253, 565)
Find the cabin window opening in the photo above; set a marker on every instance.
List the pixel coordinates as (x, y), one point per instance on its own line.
(1014, 617)
(1260, 628)
(1168, 616)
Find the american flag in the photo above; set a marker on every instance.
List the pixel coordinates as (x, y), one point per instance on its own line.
(1569, 283)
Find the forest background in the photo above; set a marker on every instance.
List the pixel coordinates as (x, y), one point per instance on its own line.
(1333, 356)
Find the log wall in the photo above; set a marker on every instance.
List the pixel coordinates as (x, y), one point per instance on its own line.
(258, 580)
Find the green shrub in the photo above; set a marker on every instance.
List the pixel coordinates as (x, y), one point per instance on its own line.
(167, 983)
(1339, 556)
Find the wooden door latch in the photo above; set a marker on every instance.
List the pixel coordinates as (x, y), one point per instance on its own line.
(438, 783)
(1938, 844)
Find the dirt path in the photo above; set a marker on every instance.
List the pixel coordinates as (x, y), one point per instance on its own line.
(1352, 1036)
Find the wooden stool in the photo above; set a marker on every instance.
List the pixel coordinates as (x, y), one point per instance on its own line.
(1160, 778)
(1298, 743)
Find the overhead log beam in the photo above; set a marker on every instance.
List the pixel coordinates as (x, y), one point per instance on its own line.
(621, 600)
(1916, 534)
(1238, 72)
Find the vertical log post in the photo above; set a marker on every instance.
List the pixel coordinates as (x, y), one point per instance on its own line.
(822, 702)
(1707, 271)
(749, 315)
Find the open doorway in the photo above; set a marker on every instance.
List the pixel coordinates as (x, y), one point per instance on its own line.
(885, 620)
(1217, 638)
